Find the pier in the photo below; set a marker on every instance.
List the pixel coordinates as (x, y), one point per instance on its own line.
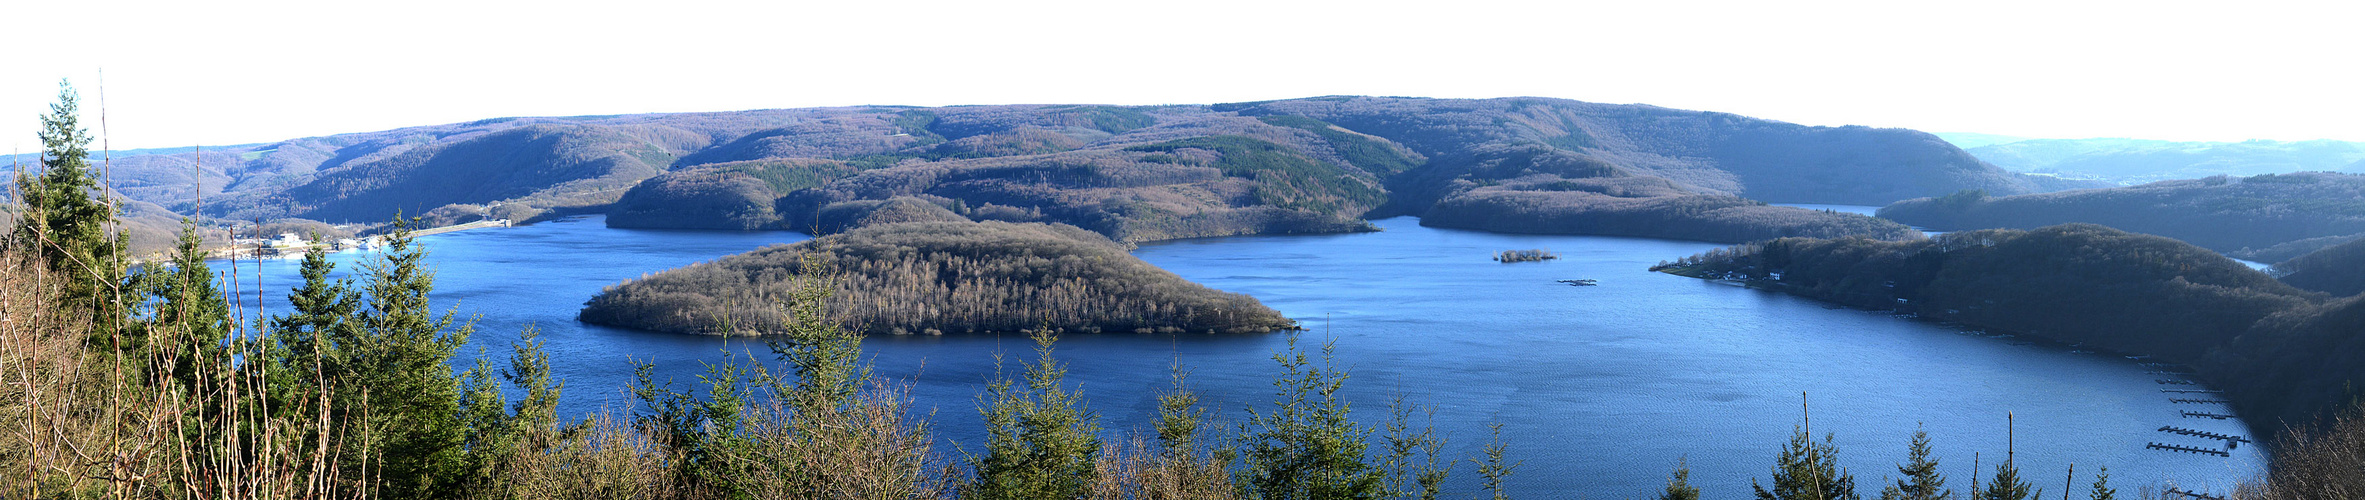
(2203, 414)
(2187, 449)
(2163, 381)
(2198, 401)
(2206, 434)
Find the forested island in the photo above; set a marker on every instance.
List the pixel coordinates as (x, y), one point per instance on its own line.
(911, 267)
(2268, 217)
(2279, 352)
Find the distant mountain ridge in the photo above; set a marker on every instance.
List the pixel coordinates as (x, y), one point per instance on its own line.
(1135, 173)
(2135, 161)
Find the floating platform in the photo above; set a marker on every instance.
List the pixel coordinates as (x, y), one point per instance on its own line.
(2206, 434)
(2198, 401)
(2163, 381)
(2187, 449)
(1580, 282)
(2203, 414)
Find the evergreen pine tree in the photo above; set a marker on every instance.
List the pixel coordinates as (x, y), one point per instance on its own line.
(1679, 485)
(1041, 443)
(2007, 485)
(400, 360)
(1807, 470)
(1922, 480)
(2102, 489)
(64, 220)
(1306, 447)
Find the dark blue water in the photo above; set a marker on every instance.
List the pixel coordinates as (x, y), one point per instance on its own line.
(1600, 390)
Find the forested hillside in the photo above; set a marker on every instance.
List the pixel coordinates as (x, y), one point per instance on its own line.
(2282, 354)
(918, 269)
(2239, 216)
(1139, 173)
(1318, 164)
(2337, 270)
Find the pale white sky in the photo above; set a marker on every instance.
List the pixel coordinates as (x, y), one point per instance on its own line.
(225, 72)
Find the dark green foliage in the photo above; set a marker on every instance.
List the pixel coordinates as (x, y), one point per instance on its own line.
(1041, 442)
(2338, 270)
(1495, 468)
(2102, 489)
(946, 277)
(917, 123)
(1414, 463)
(1284, 178)
(1305, 447)
(2280, 353)
(1807, 470)
(1679, 485)
(1111, 119)
(2006, 485)
(63, 218)
(2229, 216)
(1374, 155)
(1922, 480)
(396, 374)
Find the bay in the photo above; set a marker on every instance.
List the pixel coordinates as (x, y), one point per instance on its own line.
(1600, 390)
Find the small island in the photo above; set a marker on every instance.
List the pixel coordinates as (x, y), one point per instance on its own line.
(1531, 255)
(938, 275)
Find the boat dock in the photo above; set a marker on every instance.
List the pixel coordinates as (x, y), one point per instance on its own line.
(2206, 434)
(2203, 414)
(2187, 449)
(2198, 401)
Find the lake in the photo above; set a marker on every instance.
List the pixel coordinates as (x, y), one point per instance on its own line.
(1600, 390)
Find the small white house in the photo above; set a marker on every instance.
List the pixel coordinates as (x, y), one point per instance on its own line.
(288, 240)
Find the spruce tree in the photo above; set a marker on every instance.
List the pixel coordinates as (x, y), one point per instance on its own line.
(64, 220)
(399, 359)
(1807, 470)
(1922, 480)
(2007, 485)
(1679, 485)
(1306, 447)
(2102, 489)
(1041, 443)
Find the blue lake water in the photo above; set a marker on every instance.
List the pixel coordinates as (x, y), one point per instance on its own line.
(1600, 390)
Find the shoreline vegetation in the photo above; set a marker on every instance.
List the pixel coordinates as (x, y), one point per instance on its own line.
(2275, 350)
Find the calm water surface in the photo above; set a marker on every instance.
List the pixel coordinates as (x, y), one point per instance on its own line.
(1600, 390)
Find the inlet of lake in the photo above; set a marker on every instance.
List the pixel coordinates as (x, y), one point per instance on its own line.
(1600, 391)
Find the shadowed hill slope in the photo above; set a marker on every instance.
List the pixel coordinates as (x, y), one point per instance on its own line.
(2282, 354)
(2226, 214)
